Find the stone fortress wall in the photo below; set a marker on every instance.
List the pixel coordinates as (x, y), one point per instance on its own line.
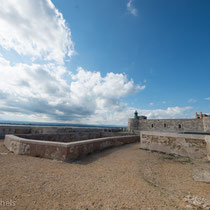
(185, 137)
(77, 133)
(201, 123)
(189, 145)
(169, 125)
(60, 142)
(64, 151)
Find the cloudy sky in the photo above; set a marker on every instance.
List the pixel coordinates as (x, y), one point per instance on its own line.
(97, 61)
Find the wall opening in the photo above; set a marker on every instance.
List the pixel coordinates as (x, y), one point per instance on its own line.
(180, 126)
(152, 126)
(164, 125)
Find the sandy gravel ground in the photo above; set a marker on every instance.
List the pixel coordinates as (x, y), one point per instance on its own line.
(120, 178)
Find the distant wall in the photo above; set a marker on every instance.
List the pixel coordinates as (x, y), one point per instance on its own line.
(75, 135)
(190, 145)
(172, 125)
(63, 151)
(167, 125)
(206, 124)
(22, 129)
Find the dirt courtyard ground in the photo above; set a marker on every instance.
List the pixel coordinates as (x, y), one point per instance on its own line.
(120, 178)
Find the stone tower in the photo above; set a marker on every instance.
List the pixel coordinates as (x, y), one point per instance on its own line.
(134, 123)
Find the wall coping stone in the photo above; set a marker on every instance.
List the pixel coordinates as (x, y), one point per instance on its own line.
(33, 141)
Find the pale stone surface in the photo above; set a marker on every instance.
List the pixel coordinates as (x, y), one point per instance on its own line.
(196, 202)
(202, 174)
(63, 151)
(206, 124)
(190, 145)
(170, 135)
(133, 125)
(207, 138)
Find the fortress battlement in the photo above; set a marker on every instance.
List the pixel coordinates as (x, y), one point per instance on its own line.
(201, 123)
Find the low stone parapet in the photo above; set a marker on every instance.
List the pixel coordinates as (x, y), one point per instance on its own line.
(207, 138)
(190, 145)
(63, 151)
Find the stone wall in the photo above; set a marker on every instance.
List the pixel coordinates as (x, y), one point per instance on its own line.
(63, 151)
(206, 124)
(133, 125)
(167, 125)
(76, 135)
(22, 129)
(172, 125)
(207, 139)
(190, 145)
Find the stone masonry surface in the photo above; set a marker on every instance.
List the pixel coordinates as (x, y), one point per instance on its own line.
(63, 151)
(168, 125)
(190, 145)
(35, 130)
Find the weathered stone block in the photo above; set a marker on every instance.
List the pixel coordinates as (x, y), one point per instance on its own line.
(190, 145)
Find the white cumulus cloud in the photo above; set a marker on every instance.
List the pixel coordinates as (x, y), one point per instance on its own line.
(34, 28)
(39, 90)
(170, 112)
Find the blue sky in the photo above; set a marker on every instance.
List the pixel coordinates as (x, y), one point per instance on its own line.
(97, 61)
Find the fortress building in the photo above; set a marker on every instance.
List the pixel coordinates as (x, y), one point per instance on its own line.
(200, 124)
(184, 137)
